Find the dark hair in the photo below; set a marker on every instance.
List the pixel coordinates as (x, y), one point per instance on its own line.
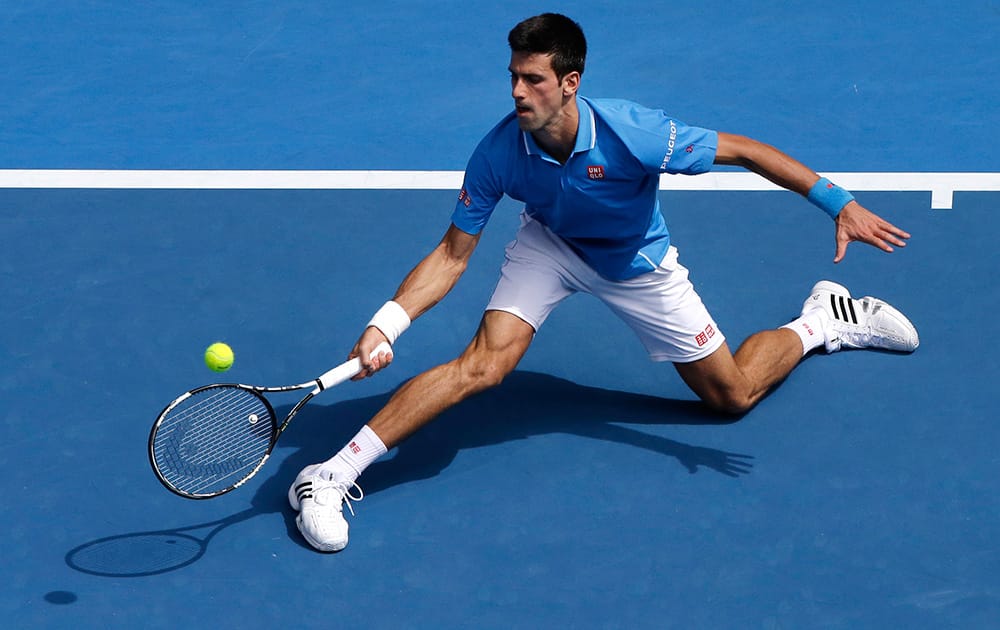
(552, 34)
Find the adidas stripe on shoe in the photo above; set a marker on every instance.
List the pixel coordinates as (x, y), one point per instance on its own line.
(867, 322)
(319, 496)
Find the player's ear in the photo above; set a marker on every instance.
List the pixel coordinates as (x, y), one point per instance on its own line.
(571, 83)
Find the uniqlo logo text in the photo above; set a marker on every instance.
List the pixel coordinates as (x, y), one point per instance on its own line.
(703, 337)
(354, 447)
(595, 172)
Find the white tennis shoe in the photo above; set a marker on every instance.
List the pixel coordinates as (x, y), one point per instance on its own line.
(859, 323)
(319, 497)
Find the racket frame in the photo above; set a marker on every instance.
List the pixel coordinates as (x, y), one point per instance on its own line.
(335, 376)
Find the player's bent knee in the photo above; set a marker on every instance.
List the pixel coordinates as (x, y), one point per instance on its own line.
(489, 374)
(730, 403)
(481, 373)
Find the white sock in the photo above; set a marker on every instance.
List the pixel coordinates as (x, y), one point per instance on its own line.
(809, 328)
(361, 452)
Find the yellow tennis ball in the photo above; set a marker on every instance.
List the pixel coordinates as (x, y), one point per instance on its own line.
(219, 357)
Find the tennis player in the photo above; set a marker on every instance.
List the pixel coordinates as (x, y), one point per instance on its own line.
(587, 171)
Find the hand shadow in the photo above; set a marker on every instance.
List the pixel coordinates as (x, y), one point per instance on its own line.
(526, 404)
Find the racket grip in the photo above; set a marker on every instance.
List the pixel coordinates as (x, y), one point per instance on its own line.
(348, 370)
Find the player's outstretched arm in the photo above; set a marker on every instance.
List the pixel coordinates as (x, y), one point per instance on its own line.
(854, 221)
(423, 287)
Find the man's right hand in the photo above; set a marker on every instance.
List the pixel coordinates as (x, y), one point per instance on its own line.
(364, 348)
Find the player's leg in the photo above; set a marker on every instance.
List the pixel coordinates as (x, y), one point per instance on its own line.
(830, 318)
(499, 344)
(530, 286)
(320, 491)
(735, 383)
(666, 312)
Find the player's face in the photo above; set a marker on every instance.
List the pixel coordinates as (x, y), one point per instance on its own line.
(539, 97)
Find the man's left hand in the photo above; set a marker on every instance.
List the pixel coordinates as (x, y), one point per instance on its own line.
(856, 223)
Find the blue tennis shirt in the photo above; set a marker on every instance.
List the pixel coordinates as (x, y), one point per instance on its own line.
(604, 201)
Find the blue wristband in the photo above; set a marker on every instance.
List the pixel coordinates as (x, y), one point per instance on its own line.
(829, 197)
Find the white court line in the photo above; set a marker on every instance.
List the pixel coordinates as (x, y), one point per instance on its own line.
(942, 186)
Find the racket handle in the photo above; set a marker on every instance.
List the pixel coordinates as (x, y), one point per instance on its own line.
(347, 370)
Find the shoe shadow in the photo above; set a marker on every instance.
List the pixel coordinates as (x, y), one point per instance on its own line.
(526, 404)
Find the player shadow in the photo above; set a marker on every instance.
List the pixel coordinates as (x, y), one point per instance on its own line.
(526, 404)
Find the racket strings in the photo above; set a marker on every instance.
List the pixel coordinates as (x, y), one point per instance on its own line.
(213, 439)
(207, 429)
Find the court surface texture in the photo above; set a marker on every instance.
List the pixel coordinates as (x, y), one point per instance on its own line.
(265, 173)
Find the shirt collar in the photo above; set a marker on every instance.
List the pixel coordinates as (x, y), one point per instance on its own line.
(586, 132)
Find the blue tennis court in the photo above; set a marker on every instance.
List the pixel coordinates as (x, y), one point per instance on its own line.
(589, 490)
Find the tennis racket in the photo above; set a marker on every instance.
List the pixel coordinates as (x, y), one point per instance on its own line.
(211, 440)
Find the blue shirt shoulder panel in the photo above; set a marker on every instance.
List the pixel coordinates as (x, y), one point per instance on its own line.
(661, 143)
(483, 185)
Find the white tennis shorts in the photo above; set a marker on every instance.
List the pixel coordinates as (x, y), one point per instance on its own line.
(661, 306)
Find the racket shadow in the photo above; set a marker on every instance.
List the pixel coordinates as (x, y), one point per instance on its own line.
(143, 554)
(526, 404)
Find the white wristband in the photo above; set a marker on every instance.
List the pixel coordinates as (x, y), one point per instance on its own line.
(392, 320)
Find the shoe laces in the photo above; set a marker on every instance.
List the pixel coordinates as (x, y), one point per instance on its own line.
(341, 488)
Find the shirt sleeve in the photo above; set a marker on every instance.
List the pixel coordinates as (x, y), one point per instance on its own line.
(666, 145)
(481, 192)
(689, 150)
